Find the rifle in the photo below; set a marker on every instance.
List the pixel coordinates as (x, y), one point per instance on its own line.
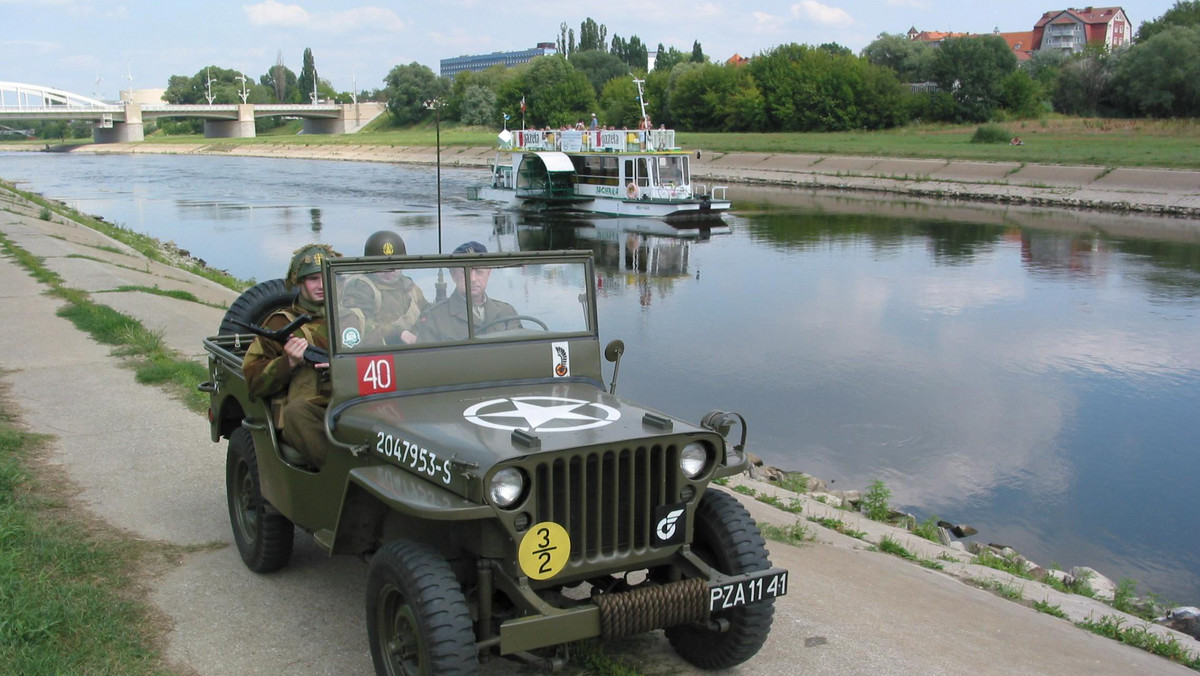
(313, 354)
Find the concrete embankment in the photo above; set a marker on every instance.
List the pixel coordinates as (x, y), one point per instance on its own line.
(145, 464)
(1123, 189)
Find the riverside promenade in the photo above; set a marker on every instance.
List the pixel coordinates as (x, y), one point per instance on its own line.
(1122, 189)
(144, 463)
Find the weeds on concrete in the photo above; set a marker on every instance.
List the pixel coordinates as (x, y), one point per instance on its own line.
(1009, 591)
(875, 501)
(44, 214)
(153, 361)
(1114, 627)
(890, 546)
(793, 505)
(1044, 606)
(928, 529)
(839, 526)
(794, 534)
(745, 490)
(992, 560)
(796, 483)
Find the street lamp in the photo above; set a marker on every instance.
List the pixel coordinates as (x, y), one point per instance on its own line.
(435, 105)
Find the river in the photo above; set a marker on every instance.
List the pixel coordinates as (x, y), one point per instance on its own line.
(1035, 374)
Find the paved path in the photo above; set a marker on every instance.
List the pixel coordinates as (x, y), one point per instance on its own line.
(145, 464)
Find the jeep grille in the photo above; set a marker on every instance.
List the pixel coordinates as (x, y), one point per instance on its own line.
(606, 499)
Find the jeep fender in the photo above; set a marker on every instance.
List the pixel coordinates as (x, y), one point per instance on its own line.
(372, 492)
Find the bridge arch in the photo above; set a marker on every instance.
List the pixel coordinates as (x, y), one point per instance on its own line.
(29, 96)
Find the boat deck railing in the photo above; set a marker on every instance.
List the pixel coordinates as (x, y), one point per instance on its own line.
(593, 140)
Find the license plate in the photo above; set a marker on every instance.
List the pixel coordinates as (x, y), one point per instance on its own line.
(746, 589)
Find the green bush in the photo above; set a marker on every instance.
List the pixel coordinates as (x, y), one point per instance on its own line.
(875, 501)
(991, 133)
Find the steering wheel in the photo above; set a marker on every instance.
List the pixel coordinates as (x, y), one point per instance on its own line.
(498, 320)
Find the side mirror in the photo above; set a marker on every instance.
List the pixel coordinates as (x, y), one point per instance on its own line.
(612, 353)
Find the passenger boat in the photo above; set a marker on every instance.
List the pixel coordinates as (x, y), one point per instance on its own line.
(614, 172)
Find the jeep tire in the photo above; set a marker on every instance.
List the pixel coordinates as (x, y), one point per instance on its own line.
(726, 537)
(256, 304)
(263, 536)
(417, 618)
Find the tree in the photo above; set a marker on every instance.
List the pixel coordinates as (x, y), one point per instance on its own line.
(554, 92)
(668, 58)
(599, 67)
(971, 70)
(711, 97)
(308, 76)
(619, 103)
(912, 60)
(697, 53)
(1161, 76)
(592, 36)
(282, 82)
(633, 52)
(478, 106)
(809, 89)
(408, 88)
(1183, 13)
(1083, 85)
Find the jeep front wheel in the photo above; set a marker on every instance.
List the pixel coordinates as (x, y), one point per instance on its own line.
(726, 538)
(264, 538)
(417, 618)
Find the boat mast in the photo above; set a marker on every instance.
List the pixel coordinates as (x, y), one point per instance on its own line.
(642, 103)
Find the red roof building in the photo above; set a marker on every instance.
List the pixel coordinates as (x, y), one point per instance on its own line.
(1070, 30)
(1021, 44)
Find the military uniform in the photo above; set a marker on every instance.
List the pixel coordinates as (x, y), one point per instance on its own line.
(447, 320)
(381, 310)
(300, 394)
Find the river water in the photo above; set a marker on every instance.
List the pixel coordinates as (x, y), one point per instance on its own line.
(1035, 374)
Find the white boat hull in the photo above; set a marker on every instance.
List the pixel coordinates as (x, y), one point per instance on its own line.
(609, 206)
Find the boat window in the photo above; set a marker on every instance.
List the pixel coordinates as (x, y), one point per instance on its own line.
(643, 173)
(671, 171)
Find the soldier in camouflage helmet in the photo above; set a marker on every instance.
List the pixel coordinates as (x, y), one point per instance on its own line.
(382, 306)
(272, 369)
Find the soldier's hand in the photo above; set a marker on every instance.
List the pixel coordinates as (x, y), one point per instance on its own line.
(294, 348)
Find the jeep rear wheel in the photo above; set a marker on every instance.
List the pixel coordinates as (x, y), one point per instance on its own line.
(264, 539)
(726, 538)
(256, 304)
(417, 618)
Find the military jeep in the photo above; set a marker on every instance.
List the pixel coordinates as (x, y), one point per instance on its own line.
(508, 501)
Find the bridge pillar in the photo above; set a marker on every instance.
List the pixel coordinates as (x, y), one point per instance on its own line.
(127, 131)
(243, 127)
(347, 121)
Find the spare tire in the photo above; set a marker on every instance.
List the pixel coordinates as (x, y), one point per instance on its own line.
(256, 304)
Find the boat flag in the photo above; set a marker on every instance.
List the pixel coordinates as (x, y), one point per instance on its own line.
(522, 105)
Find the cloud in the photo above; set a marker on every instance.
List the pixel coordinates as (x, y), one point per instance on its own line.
(823, 14)
(367, 18)
(275, 13)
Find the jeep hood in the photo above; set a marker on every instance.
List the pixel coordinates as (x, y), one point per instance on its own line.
(477, 425)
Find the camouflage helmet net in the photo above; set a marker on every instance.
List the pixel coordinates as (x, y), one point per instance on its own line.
(307, 260)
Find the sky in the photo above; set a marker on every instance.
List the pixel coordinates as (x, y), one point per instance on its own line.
(92, 47)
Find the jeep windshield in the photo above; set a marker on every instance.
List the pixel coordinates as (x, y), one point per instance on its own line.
(417, 302)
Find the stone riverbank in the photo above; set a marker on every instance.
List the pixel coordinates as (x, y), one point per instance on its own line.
(1121, 189)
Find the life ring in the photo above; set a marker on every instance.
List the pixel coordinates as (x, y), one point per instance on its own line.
(631, 190)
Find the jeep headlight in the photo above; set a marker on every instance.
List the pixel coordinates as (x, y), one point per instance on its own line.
(507, 486)
(692, 459)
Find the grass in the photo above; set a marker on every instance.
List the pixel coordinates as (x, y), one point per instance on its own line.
(890, 546)
(1115, 628)
(153, 361)
(993, 560)
(745, 490)
(796, 483)
(927, 529)
(69, 603)
(793, 505)
(1052, 140)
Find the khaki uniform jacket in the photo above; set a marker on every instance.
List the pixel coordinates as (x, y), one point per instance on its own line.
(266, 364)
(381, 311)
(447, 320)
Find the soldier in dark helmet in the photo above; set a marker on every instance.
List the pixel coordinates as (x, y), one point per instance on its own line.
(382, 306)
(447, 320)
(301, 389)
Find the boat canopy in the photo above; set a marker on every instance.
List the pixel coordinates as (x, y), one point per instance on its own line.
(556, 163)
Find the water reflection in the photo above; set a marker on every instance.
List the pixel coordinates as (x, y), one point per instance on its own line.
(1035, 373)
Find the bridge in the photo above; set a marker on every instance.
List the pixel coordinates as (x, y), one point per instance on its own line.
(123, 122)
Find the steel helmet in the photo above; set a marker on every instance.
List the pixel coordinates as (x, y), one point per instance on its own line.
(307, 260)
(385, 243)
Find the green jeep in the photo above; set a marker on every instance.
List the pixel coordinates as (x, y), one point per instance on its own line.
(507, 499)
